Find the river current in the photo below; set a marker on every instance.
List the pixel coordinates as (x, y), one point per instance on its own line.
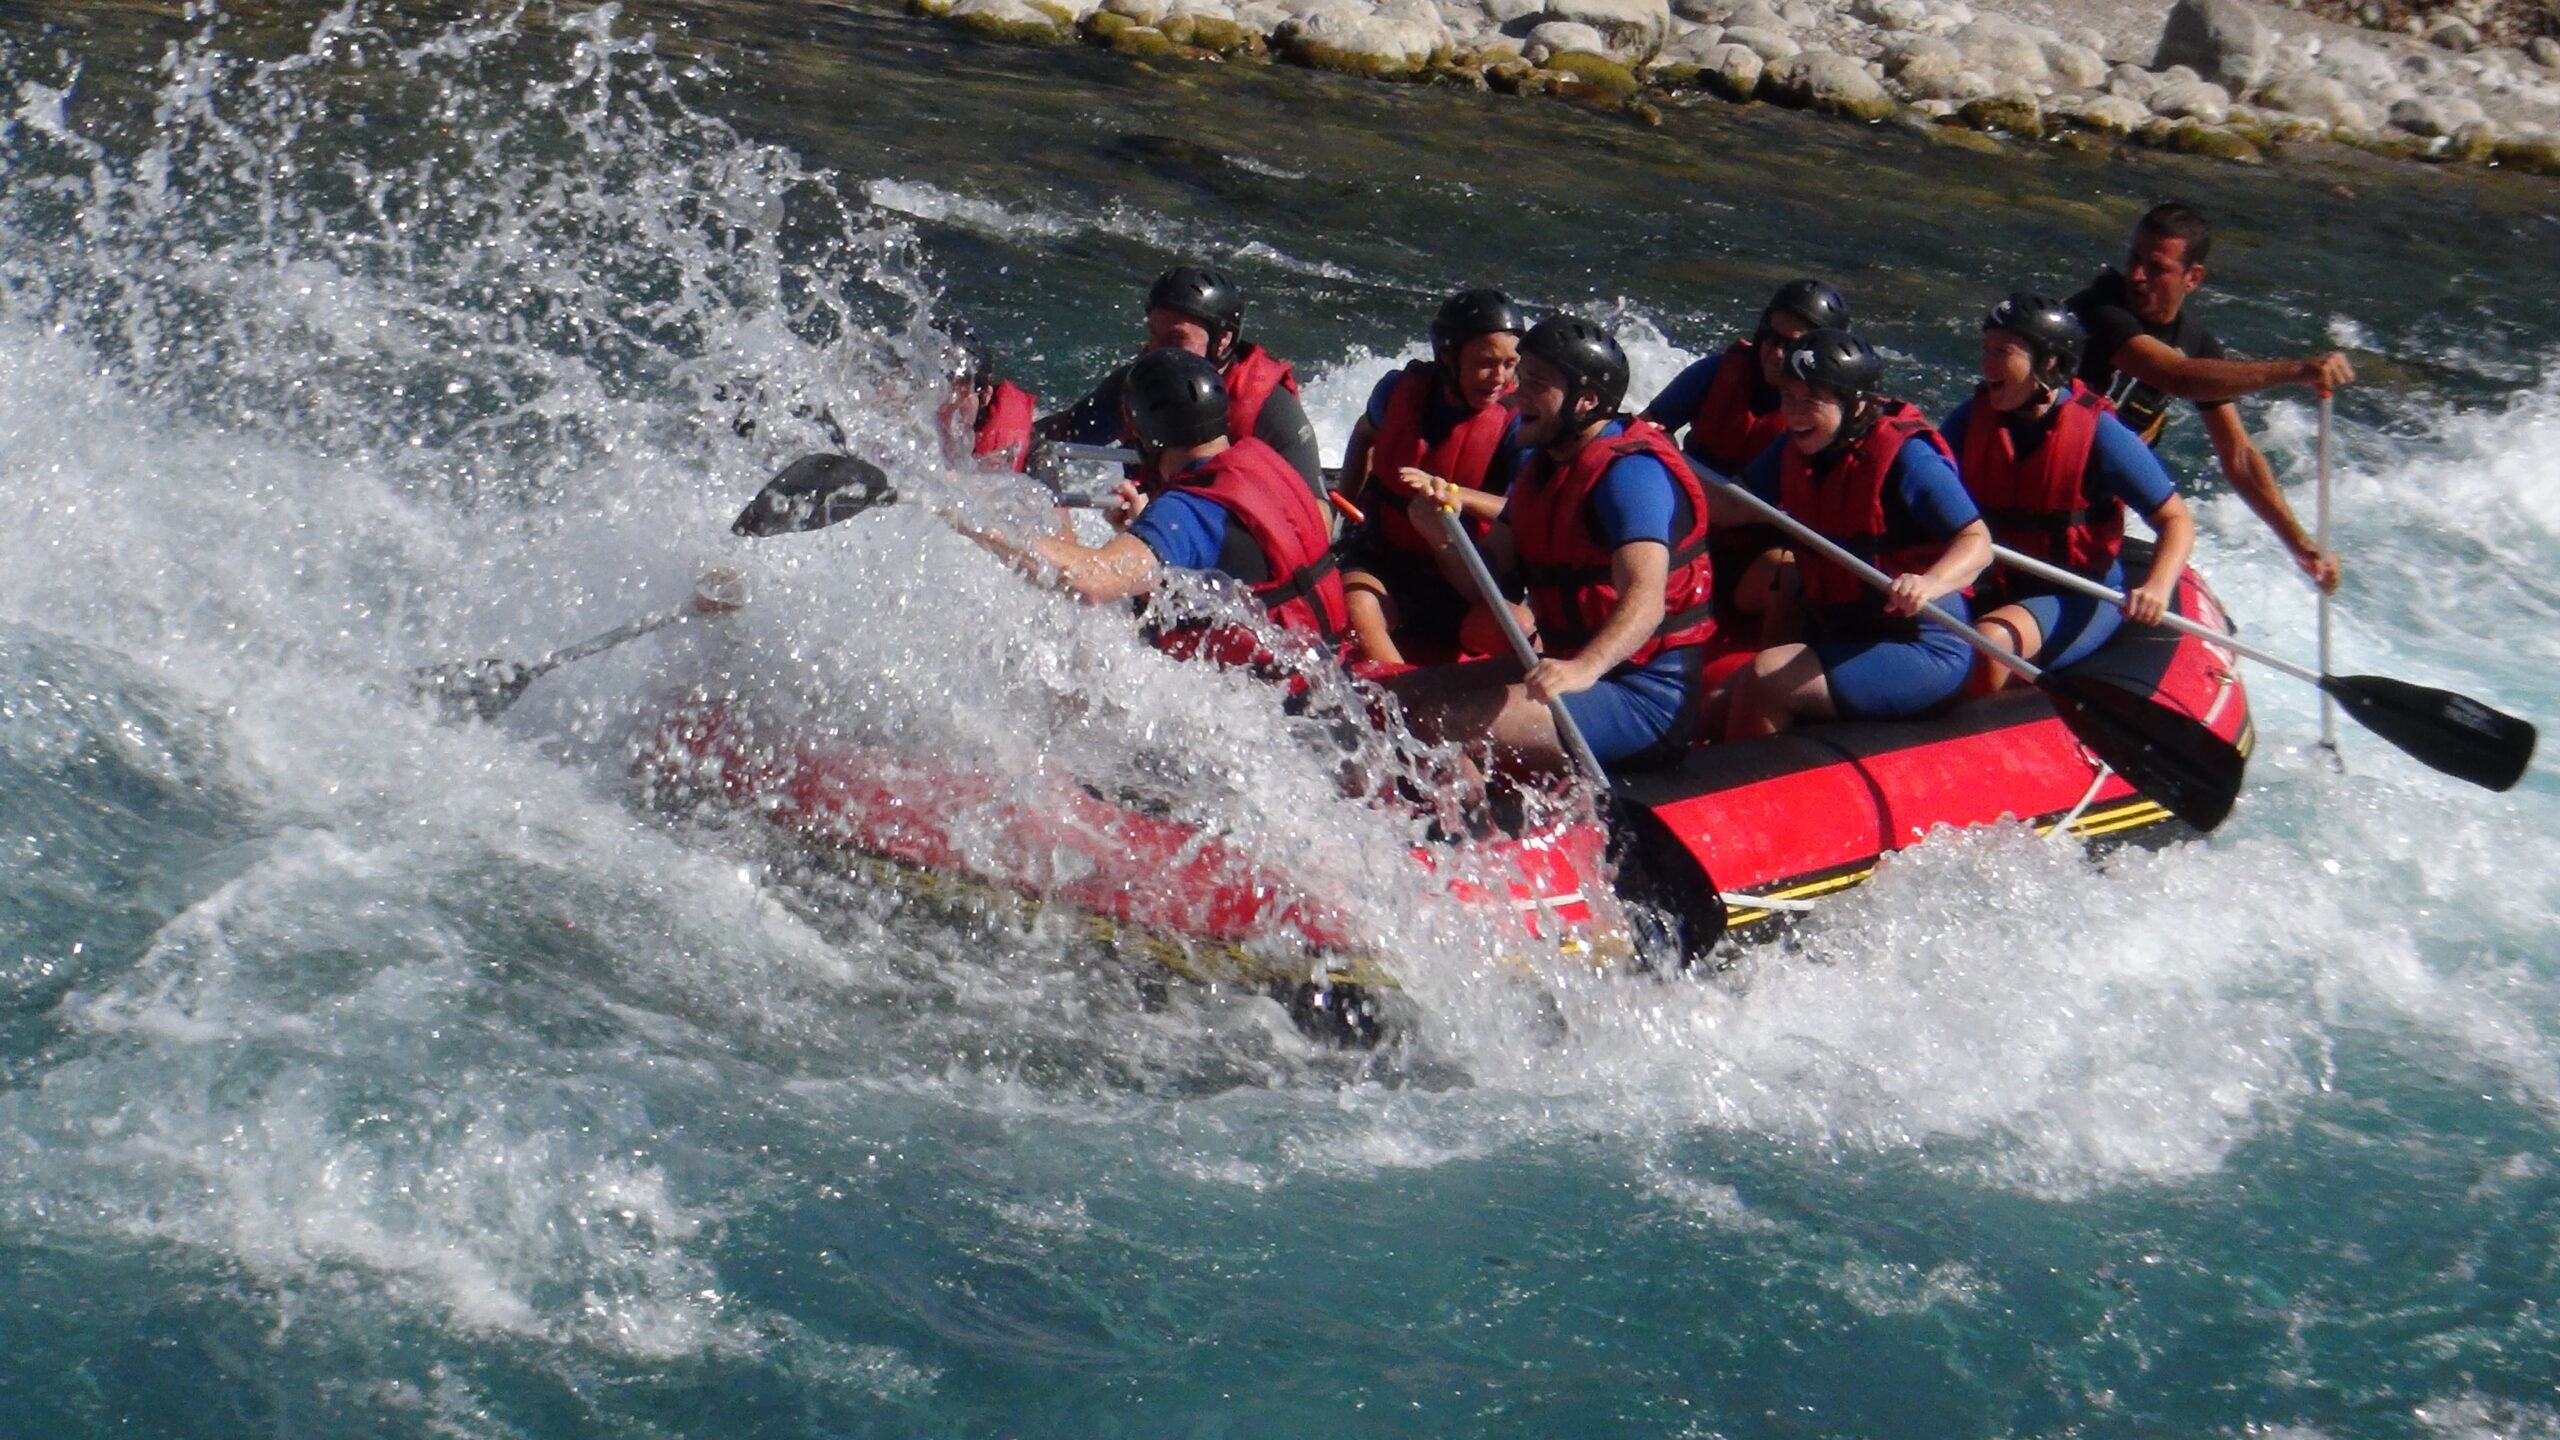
(362, 1074)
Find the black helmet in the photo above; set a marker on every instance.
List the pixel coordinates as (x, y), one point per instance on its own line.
(1835, 360)
(1810, 301)
(1201, 293)
(2050, 330)
(1174, 399)
(1587, 356)
(1471, 313)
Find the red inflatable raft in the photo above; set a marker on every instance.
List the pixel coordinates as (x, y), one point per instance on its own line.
(1737, 835)
(1740, 834)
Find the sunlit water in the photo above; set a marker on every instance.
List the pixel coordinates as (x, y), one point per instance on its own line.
(363, 1074)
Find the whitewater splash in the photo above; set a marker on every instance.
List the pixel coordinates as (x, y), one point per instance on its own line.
(393, 1020)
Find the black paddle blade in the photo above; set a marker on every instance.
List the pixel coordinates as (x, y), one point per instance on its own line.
(812, 493)
(2438, 728)
(473, 689)
(2193, 773)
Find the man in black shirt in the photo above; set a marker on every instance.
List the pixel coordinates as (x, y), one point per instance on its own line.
(2145, 351)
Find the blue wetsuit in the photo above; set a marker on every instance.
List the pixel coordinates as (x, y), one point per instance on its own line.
(1634, 708)
(2120, 465)
(1885, 678)
(1678, 402)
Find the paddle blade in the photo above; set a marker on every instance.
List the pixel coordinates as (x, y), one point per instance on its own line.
(2170, 757)
(2438, 728)
(473, 689)
(812, 493)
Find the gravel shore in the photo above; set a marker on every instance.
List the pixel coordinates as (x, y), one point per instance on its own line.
(2213, 77)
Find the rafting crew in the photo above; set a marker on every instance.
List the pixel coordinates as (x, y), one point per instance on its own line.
(2147, 349)
(1449, 417)
(1606, 528)
(2054, 471)
(1196, 309)
(1202, 503)
(1871, 474)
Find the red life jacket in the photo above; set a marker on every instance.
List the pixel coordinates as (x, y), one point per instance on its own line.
(1847, 507)
(1269, 498)
(1460, 457)
(1572, 586)
(1005, 422)
(2040, 506)
(1726, 432)
(1251, 377)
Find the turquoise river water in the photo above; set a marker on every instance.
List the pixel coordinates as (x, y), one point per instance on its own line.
(366, 1075)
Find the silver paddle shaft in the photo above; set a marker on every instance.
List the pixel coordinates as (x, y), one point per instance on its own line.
(2029, 565)
(1521, 650)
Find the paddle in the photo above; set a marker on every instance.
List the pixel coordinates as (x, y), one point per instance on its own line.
(2171, 757)
(485, 688)
(2438, 728)
(2320, 542)
(815, 491)
(1490, 596)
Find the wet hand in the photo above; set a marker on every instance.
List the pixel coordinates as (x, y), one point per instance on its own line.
(1554, 679)
(1908, 594)
(2321, 565)
(2325, 373)
(2146, 605)
(1127, 501)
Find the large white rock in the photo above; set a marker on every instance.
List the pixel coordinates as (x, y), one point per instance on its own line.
(1144, 12)
(2113, 114)
(1756, 15)
(2074, 65)
(2453, 33)
(1767, 44)
(1926, 54)
(1632, 27)
(1737, 68)
(1389, 43)
(1012, 18)
(1999, 46)
(2322, 97)
(2545, 52)
(1829, 81)
(2192, 100)
(2223, 40)
(2357, 63)
(1893, 14)
(2133, 83)
(1559, 37)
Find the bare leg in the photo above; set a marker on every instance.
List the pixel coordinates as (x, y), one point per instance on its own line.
(1373, 616)
(2014, 629)
(1783, 684)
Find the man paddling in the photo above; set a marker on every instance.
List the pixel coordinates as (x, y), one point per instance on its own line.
(2054, 471)
(2145, 350)
(1199, 310)
(1607, 527)
(1449, 416)
(1204, 503)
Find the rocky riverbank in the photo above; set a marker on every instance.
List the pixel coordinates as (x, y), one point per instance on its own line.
(2211, 77)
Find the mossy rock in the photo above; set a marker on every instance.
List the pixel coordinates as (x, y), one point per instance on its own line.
(1510, 76)
(2539, 155)
(935, 8)
(1459, 73)
(1210, 32)
(2391, 145)
(2010, 114)
(1178, 28)
(1026, 32)
(2086, 142)
(1352, 62)
(1146, 42)
(2188, 137)
(1953, 132)
(1676, 76)
(1102, 26)
(1595, 73)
